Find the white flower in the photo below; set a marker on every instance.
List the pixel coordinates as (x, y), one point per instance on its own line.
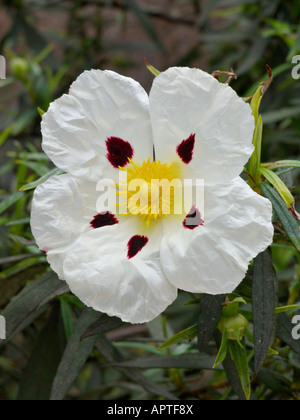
(131, 267)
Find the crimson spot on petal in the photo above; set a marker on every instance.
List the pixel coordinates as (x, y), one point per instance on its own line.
(119, 151)
(186, 148)
(136, 244)
(193, 219)
(104, 219)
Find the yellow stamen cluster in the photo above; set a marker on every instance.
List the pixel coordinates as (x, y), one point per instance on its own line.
(149, 190)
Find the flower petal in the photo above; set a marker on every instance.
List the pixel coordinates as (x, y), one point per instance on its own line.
(190, 104)
(62, 208)
(101, 105)
(93, 258)
(99, 272)
(214, 258)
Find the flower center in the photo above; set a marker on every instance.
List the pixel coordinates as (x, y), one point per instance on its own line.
(150, 191)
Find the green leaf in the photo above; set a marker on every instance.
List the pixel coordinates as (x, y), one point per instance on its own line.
(41, 180)
(75, 355)
(39, 168)
(210, 311)
(255, 104)
(255, 160)
(10, 200)
(232, 309)
(102, 325)
(282, 164)
(284, 332)
(152, 69)
(41, 112)
(288, 222)
(250, 337)
(239, 356)
(12, 283)
(274, 381)
(30, 303)
(290, 309)
(139, 346)
(263, 304)
(38, 376)
(186, 334)
(182, 361)
(113, 355)
(222, 351)
(67, 318)
(13, 258)
(283, 190)
(5, 134)
(231, 370)
(280, 115)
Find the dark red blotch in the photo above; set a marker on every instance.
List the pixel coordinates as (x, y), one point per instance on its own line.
(136, 244)
(104, 219)
(186, 148)
(118, 151)
(193, 219)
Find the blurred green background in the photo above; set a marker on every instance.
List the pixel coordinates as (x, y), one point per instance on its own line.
(47, 44)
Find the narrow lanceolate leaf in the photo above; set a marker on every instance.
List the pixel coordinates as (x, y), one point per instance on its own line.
(41, 111)
(284, 332)
(275, 381)
(26, 307)
(280, 186)
(41, 180)
(12, 283)
(288, 222)
(66, 314)
(254, 162)
(182, 361)
(239, 356)
(10, 200)
(186, 334)
(113, 355)
(264, 303)
(231, 370)
(39, 374)
(75, 355)
(282, 164)
(102, 325)
(289, 308)
(152, 69)
(210, 311)
(255, 104)
(255, 159)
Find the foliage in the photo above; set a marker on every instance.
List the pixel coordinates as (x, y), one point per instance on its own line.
(58, 349)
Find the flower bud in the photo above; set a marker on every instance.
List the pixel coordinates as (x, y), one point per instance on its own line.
(19, 68)
(235, 327)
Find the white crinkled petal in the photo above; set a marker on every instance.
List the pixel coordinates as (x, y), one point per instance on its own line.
(94, 262)
(101, 104)
(62, 209)
(186, 101)
(214, 258)
(100, 274)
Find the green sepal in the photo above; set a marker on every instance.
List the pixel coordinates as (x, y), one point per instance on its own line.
(222, 351)
(239, 356)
